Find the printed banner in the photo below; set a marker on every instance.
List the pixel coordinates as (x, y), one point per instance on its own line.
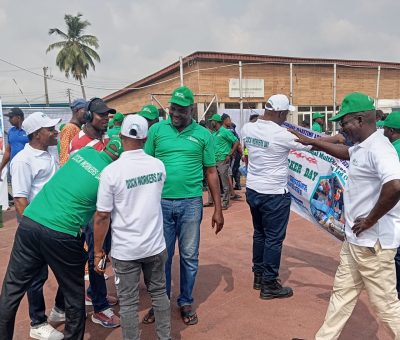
(316, 182)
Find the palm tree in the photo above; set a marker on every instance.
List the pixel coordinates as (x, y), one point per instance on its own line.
(76, 54)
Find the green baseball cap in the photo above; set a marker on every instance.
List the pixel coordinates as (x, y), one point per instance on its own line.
(393, 120)
(216, 117)
(317, 115)
(352, 103)
(149, 112)
(118, 117)
(182, 96)
(116, 141)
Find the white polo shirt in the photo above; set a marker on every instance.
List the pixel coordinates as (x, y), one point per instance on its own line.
(373, 163)
(269, 145)
(130, 188)
(30, 170)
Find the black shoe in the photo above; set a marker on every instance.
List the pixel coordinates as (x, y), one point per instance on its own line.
(274, 290)
(257, 281)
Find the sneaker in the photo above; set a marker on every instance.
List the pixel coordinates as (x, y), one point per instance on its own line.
(112, 301)
(56, 315)
(106, 318)
(257, 281)
(274, 290)
(45, 331)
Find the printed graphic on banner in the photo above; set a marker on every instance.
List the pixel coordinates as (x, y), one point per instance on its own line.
(316, 182)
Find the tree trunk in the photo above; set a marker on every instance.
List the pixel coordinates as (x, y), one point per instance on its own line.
(83, 89)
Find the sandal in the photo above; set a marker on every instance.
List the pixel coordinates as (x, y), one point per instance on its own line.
(149, 317)
(208, 204)
(189, 317)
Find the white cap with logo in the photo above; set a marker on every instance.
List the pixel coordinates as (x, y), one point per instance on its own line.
(134, 126)
(279, 102)
(38, 120)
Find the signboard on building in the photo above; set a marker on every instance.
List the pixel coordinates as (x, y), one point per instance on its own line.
(250, 88)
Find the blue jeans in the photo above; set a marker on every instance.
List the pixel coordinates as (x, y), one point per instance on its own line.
(97, 289)
(270, 215)
(182, 218)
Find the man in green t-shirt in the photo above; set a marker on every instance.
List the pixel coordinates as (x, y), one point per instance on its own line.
(391, 129)
(184, 147)
(117, 122)
(225, 143)
(150, 113)
(318, 122)
(50, 234)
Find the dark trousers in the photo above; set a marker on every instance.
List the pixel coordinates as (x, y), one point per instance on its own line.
(397, 263)
(97, 289)
(270, 215)
(37, 307)
(235, 170)
(36, 246)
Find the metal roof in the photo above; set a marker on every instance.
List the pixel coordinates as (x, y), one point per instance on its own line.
(246, 58)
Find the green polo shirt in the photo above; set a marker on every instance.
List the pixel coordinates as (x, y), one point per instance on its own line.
(223, 140)
(114, 132)
(184, 155)
(396, 145)
(316, 127)
(68, 201)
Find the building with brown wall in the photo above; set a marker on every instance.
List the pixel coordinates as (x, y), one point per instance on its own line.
(312, 84)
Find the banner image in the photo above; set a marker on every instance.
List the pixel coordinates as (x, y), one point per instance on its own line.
(317, 182)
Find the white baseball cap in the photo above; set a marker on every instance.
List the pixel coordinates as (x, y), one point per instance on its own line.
(38, 120)
(279, 102)
(134, 126)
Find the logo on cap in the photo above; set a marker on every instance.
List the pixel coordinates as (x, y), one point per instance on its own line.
(180, 95)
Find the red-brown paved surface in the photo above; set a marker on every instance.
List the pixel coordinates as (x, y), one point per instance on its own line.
(227, 306)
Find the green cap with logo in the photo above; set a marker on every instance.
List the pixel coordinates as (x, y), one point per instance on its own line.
(118, 149)
(353, 103)
(182, 96)
(118, 117)
(317, 115)
(393, 120)
(149, 112)
(216, 117)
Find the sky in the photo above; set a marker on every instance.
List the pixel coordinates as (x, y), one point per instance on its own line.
(140, 37)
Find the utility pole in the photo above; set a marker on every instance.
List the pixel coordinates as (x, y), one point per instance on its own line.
(46, 93)
(69, 96)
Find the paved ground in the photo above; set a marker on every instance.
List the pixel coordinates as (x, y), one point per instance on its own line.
(227, 306)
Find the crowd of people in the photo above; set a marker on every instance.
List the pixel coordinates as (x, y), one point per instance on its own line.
(89, 204)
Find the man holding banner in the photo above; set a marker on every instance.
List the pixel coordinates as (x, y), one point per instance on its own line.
(267, 194)
(372, 221)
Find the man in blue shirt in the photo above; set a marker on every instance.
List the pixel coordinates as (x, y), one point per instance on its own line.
(17, 137)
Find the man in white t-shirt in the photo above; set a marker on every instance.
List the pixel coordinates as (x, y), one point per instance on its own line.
(31, 169)
(130, 195)
(267, 193)
(372, 219)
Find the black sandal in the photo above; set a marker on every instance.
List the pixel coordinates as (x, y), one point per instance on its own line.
(189, 317)
(149, 317)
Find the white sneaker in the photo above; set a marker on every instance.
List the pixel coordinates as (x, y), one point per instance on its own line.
(45, 332)
(56, 315)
